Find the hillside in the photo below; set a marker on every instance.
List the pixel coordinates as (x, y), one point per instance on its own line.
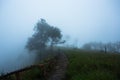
(80, 65)
(88, 65)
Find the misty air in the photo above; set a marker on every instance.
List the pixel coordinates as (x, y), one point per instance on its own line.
(59, 40)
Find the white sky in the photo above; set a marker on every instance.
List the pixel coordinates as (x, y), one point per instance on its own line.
(82, 20)
(85, 20)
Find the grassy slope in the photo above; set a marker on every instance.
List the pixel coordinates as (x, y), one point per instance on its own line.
(35, 73)
(92, 65)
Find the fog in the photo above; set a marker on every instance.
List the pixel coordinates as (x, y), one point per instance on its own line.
(80, 21)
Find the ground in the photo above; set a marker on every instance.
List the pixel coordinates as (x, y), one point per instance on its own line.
(60, 69)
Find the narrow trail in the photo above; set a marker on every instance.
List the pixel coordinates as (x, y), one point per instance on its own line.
(57, 73)
(60, 68)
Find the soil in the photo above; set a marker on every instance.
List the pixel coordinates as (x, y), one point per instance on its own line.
(59, 70)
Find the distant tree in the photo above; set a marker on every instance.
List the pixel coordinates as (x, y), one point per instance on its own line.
(116, 47)
(104, 47)
(87, 46)
(96, 46)
(44, 36)
(110, 47)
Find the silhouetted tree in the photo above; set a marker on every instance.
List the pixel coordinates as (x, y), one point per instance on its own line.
(44, 36)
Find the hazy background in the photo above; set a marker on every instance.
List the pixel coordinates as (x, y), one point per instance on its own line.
(80, 21)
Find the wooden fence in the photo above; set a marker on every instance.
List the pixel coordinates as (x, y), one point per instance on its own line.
(42, 67)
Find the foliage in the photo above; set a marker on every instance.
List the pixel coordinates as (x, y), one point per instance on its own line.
(44, 36)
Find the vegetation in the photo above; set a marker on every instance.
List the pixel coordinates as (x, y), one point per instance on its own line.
(88, 65)
(32, 74)
(35, 73)
(45, 36)
(42, 41)
(113, 47)
(83, 65)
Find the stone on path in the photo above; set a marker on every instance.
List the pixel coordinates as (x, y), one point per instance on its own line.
(60, 68)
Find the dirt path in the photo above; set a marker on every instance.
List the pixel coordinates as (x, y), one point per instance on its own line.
(60, 68)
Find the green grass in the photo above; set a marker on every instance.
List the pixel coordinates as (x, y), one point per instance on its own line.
(84, 65)
(35, 73)
(32, 74)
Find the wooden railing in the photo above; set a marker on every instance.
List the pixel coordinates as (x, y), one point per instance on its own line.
(17, 72)
(43, 67)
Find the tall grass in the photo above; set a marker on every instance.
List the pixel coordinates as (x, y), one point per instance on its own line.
(84, 65)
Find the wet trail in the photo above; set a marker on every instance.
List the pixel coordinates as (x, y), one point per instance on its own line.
(60, 68)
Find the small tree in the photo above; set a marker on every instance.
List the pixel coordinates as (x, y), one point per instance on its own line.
(44, 36)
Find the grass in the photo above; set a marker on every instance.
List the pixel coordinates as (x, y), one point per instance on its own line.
(87, 65)
(83, 65)
(32, 74)
(35, 73)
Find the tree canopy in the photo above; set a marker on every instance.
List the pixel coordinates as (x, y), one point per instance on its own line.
(44, 36)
